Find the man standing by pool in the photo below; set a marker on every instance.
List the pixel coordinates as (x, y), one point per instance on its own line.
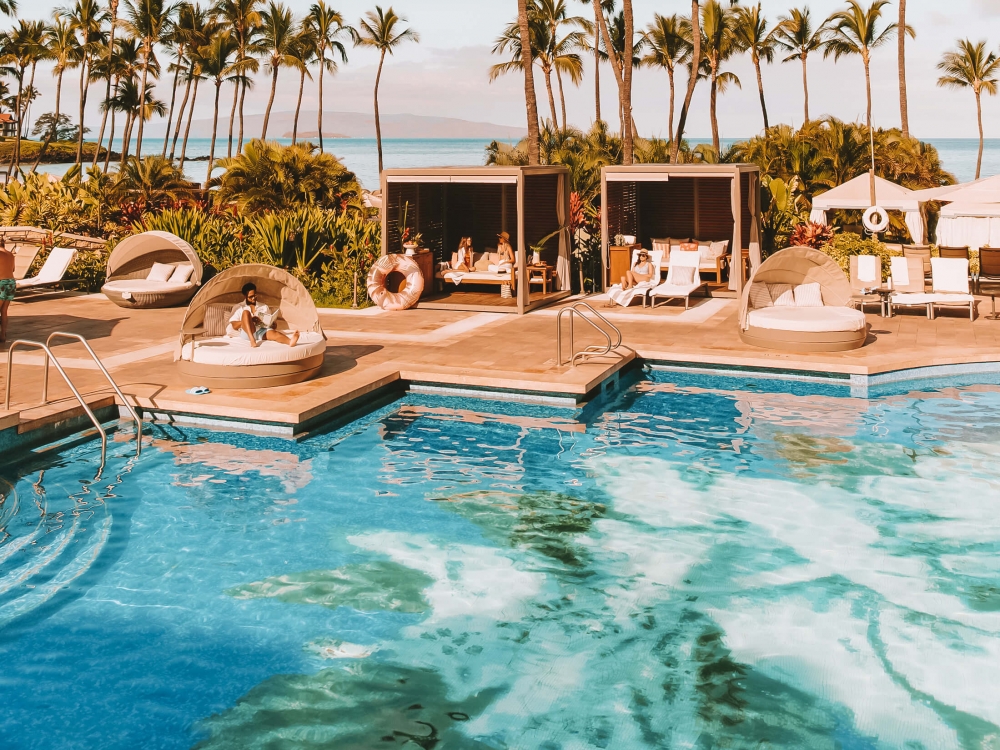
(7, 286)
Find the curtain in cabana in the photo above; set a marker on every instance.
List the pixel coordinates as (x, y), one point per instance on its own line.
(754, 224)
(736, 252)
(915, 223)
(563, 273)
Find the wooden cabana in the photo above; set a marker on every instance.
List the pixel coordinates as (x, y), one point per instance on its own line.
(448, 203)
(701, 202)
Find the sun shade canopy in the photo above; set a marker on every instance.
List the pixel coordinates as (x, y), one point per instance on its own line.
(142, 250)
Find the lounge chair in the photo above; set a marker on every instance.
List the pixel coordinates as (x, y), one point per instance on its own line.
(207, 353)
(908, 284)
(923, 252)
(53, 270)
(24, 256)
(152, 270)
(962, 253)
(989, 273)
(799, 300)
(624, 297)
(951, 285)
(683, 278)
(866, 274)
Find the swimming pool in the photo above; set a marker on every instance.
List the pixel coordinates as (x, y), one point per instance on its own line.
(710, 562)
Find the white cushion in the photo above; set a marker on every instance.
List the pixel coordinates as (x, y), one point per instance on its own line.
(145, 286)
(760, 297)
(719, 248)
(808, 295)
(911, 298)
(950, 275)
(181, 274)
(682, 275)
(237, 352)
(808, 319)
(160, 272)
(782, 295)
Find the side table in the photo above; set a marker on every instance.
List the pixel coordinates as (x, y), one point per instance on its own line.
(541, 274)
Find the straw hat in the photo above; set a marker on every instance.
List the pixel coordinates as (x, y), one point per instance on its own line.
(503, 236)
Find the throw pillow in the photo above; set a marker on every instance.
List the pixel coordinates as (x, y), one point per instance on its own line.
(808, 295)
(689, 247)
(483, 263)
(181, 274)
(217, 319)
(160, 272)
(705, 254)
(782, 295)
(719, 248)
(760, 297)
(683, 275)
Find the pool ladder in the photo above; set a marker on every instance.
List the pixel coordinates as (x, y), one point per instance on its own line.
(611, 334)
(49, 356)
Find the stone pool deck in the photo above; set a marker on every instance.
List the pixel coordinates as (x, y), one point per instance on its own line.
(371, 353)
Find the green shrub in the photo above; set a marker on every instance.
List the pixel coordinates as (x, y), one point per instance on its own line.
(845, 244)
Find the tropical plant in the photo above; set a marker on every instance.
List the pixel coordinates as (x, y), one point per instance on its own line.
(667, 44)
(718, 46)
(146, 21)
(108, 64)
(303, 53)
(811, 234)
(751, 34)
(972, 66)
(87, 19)
(216, 62)
(844, 245)
(62, 46)
(378, 30)
(268, 176)
(243, 19)
(152, 181)
(795, 33)
(326, 26)
(276, 44)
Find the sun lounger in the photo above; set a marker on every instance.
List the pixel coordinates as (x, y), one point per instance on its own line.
(683, 278)
(53, 270)
(989, 275)
(24, 256)
(951, 285)
(624, 297)
(923, 252)
(866, 274)
(908, 284)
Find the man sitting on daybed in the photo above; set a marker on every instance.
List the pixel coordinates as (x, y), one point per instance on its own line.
(246, 319)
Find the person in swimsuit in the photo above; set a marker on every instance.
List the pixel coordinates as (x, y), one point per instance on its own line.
(641, 272)
(245, 320)
(463, 258)
(505, 253)
(7, 286)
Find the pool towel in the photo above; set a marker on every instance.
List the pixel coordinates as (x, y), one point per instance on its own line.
(900, 272)
(867, 269)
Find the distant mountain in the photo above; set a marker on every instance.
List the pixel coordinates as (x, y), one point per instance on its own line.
(359, 125)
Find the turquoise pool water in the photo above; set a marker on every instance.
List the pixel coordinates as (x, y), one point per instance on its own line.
(708, 563)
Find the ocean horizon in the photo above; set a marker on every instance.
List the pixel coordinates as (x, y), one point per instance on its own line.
(360, 155)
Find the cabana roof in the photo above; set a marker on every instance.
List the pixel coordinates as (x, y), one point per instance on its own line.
(972, 196)
(856, 194)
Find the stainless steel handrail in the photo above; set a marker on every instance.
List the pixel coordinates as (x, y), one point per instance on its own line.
(103, 369)
(592, 351)
(72, 387)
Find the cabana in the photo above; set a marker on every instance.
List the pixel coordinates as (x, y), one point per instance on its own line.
(972, 216)
(209, 354)
(855, 195)
(446, 204)
(152, 270)
(703, 203)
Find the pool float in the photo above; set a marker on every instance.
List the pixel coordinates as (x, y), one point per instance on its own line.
(876, 219)
(409, 292)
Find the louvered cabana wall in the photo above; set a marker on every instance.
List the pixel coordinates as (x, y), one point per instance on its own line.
(540, 217)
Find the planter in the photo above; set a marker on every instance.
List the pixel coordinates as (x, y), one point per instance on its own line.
(411, 248)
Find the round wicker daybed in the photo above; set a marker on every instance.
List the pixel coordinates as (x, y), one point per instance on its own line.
(799, 301)
(136, 268)
(210, 353)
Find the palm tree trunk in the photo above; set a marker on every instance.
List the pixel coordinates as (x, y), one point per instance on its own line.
(243, 96)
(904, 107)
(670, 117)
(530, 100)
(111, 137)
(298, 106)
(597, 83)
(378, 124)
(55, 125)
(142, 104)
(17, 135)
(180, 114)
(552, 101)
(173, 101)
(319, 115)
(713, 113)
(232, 116)
(760, 89)
(868, 91)
(107, 89)
(805, 88)
(267, 112)
(126, 139)
(692, 78)
(215, 125)
(83, 105)
(562, 98)
(187, 130)
(979, 114)
(628, 135)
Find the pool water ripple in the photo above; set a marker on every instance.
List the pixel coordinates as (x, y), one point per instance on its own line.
(710, 562)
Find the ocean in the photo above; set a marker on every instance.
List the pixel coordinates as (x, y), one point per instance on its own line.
(360, 155)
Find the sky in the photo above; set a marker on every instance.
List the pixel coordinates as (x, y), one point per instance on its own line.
(446, 74)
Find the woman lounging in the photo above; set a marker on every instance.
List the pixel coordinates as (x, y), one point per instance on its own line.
(640, 273)
(246, 320)
(463, 258)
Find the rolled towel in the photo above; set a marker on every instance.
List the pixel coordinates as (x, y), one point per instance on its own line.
(868, 269)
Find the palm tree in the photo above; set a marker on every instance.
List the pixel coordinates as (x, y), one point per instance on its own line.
(527, 66)
(216, 62)
(121, 65)
(174, 41)
(667, 43)
(719, 45)
(16, 48)
(327, 26)
(854, 31)
(62, 45)
(304, 51)
(752, 35)
(276, 44)
(153, 181)
(795, 34)
(87, 20)
(510, 41)
(244, 21)
(8, 7)
(147, 21)
(126, 100)
(692, 78)
(628, 131)
(971, 66)
(378, 30)
(561, 52)
(904, 105)
(113, 25)
(193, 28)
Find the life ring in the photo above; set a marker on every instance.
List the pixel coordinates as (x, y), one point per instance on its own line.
(409, 293)
(883, 222)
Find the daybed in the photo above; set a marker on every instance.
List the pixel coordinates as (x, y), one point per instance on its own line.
(712, 256)
(211, 353)
(485, 269)
(799, 300)
(152, 270)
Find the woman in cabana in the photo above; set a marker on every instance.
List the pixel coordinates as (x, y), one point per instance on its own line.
(462, 260)
(640, 273)
(246, 321)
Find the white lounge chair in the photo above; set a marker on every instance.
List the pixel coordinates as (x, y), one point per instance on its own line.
(624, 297)
(866, 274)
(678, 285)
(950, 280)
(53, 270)
(908, 284)
(24, 256)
